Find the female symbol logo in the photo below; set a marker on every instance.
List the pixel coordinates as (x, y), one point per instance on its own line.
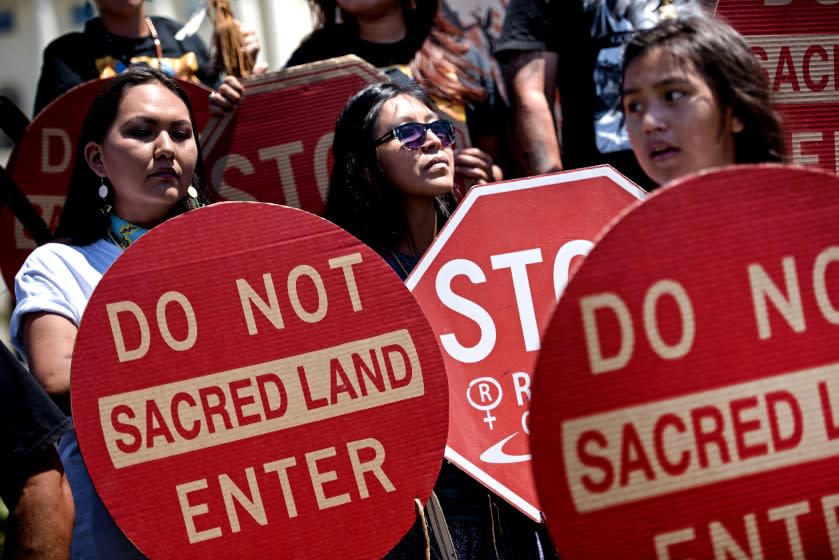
(486, 386)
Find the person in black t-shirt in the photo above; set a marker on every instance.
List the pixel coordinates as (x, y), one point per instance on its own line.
(32, 481)
(121, 36)
(411, 40)
(575, 46)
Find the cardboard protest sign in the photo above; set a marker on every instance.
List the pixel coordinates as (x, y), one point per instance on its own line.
(686, 398)
(277, 146)
(487, 285)
(41, 164)
(797, 42)
(239, 391)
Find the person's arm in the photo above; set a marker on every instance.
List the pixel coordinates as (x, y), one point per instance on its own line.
(530, 77)
(32, 481)
(48, 339)
(41, 524)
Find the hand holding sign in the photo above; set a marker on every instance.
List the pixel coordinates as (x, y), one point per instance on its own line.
(254, 390)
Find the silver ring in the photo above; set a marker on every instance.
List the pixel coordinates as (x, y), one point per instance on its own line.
(212, 93)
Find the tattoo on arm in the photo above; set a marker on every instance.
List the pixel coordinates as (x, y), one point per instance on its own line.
(529, 75)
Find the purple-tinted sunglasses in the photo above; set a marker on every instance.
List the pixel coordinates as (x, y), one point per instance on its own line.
(412, 134)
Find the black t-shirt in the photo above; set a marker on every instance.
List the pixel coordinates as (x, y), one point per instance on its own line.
(76, 58)
(340, 40)
(482, 118)
(30, 423)
(588, 37)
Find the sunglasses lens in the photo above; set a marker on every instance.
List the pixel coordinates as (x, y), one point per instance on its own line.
(412, 135)
(444, 131)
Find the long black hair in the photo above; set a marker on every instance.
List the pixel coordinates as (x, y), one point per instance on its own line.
(361, 199)
(731, 70)
(83, 220)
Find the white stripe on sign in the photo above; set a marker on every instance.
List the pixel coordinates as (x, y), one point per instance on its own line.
(802, 69)
(166, 420)
(683, 443)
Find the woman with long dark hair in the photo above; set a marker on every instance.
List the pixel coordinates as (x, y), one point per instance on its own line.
(394, 192)
(694, 97)
(391, 187)
(138, 164)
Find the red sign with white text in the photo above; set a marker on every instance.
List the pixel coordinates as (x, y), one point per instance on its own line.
(686, 399)
(797, 42)
(277, 147)
(258, 389)
(488, 284)
(42, 162)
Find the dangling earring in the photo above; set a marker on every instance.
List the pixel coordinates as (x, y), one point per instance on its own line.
(103, 194)
(192, 193)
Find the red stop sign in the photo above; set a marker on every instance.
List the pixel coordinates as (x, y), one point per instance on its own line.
(797, 42)
(487, 285)
(277, 146)
(257, 387)
(686, 400)
(42, 162)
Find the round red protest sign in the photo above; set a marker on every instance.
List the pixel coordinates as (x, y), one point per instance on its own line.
(797, 45)
(686, 398)
(249, 376)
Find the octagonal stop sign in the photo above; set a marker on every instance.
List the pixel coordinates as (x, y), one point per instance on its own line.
(686, 399)
(487, 285)
(276, 147)
(797, 43)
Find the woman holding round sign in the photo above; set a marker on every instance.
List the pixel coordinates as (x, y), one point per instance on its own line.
(138, 164)
(694, 97)
(391, 187)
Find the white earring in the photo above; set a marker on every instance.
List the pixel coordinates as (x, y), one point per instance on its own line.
(103, 189)
(192, 192)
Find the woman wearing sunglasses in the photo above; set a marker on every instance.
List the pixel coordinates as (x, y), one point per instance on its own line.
(391, 187)
(393, 175)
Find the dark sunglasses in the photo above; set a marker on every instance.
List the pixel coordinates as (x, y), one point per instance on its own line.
(412, 134)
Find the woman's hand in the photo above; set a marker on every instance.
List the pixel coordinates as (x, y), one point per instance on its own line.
(473, 166)
(226, 97)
